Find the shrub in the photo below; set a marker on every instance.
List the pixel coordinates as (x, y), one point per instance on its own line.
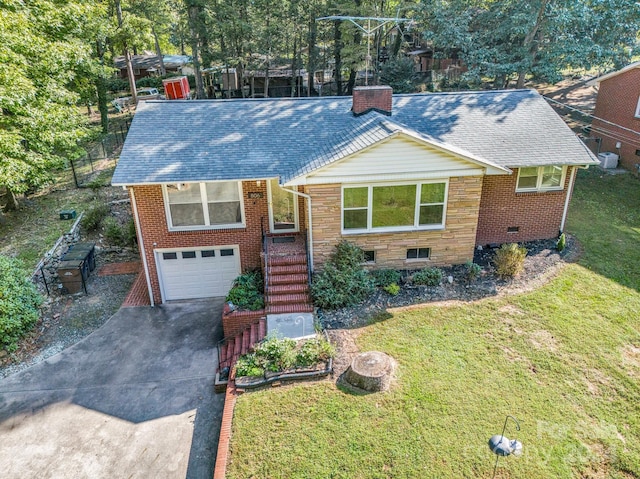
(275, 354)
(472, 271)
(428, 277)
(247, 291)
(509, 260)
(130, 235)
(385, 277)
(561, 244)
(313, 351)
(19, 302)
(113, 232)
(393, 289)
(92, 218)
(247, 365)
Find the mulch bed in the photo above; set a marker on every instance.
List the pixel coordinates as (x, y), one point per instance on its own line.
(542, 260)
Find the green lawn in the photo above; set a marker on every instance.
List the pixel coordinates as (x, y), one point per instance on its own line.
(564, 360)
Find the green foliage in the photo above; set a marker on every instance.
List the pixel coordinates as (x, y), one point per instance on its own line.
(472, 271)
(19, 302)
(117, 85)
(113, 232)
(428, 277)
(343, 281)
(509, 260)
(314, 351)
(248, 365)
(561, 244)
(393, 289)
(400, 74)
(247, 291)
(93, 217)
(385, 277)
(130, 235)
(276, 355)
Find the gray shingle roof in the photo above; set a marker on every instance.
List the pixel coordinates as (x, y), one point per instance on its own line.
(185, 141)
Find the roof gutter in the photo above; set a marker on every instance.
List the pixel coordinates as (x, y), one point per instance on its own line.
(310, 229)
(134, 205)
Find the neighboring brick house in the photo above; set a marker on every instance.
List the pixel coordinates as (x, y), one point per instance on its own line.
(616, 123)
(415, 180)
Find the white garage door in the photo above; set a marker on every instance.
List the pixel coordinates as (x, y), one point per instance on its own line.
(197, 272)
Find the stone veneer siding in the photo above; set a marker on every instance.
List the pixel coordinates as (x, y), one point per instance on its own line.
(452, 245)
(537, 215)
(153, 223)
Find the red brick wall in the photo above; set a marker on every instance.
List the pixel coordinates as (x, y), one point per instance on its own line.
(537, 215)
(617, 101)
(372, 97)
(233, 323)
(153, 222)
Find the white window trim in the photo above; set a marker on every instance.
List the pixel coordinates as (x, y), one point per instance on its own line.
(637, 115)
(395, 229)
(205, 208)
(538, 186)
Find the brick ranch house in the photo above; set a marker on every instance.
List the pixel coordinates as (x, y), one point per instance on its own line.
(616, 126)
(415, 180)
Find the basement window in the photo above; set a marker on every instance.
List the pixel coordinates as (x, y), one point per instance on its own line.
(513, 229)
(418, 253)
(369, 256)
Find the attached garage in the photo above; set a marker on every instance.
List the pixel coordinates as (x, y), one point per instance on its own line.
(190, 273)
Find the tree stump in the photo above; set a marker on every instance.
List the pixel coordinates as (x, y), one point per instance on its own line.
(370, 371)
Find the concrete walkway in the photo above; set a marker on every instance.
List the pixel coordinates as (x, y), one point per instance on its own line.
(132, 400)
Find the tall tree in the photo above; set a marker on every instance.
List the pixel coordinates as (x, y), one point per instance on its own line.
(40, 125)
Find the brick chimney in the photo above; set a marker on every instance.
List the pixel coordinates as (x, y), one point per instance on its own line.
(367, 98)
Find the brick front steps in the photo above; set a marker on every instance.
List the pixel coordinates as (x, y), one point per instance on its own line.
(287, 286)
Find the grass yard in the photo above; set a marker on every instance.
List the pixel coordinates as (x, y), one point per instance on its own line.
(564, 360)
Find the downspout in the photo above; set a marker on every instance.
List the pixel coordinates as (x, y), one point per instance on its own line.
(310, 230)
(569, 193)
(134, 205)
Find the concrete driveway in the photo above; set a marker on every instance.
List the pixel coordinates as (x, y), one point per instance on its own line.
(134, 399)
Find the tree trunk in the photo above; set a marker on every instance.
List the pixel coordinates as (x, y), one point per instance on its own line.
(311, 66)
(12, 201)
(163, 70)
(294, 77)
(352, 81)
(337, 55)
(194, 13)
(127, 56)
(530, 45)
(101, 90)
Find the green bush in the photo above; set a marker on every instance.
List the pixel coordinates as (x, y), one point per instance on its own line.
(247, 291)
(130, 235)
(509, 260)
(113, 232)
(313, 351)
(472, 271)
(428, 277)
(275, 354)
(393, 289)
(247, 365)
(19, 302)
(385, 277)
(561, 244)
(343, 281)
(92, 218)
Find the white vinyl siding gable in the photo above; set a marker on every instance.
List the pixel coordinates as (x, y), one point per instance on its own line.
(399, 158)
(201, 206)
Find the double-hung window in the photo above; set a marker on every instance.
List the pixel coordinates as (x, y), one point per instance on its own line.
(394, 207)
(541, 178)
(204, 205)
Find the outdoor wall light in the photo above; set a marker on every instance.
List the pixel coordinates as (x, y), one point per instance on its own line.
(258, 183)
(502, 446)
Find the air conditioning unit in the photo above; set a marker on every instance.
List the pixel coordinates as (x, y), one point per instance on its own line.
(608, 159)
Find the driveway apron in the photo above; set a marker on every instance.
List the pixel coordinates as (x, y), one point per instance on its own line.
(134, 399)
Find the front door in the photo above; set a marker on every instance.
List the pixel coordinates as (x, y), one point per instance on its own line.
(283, 209)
